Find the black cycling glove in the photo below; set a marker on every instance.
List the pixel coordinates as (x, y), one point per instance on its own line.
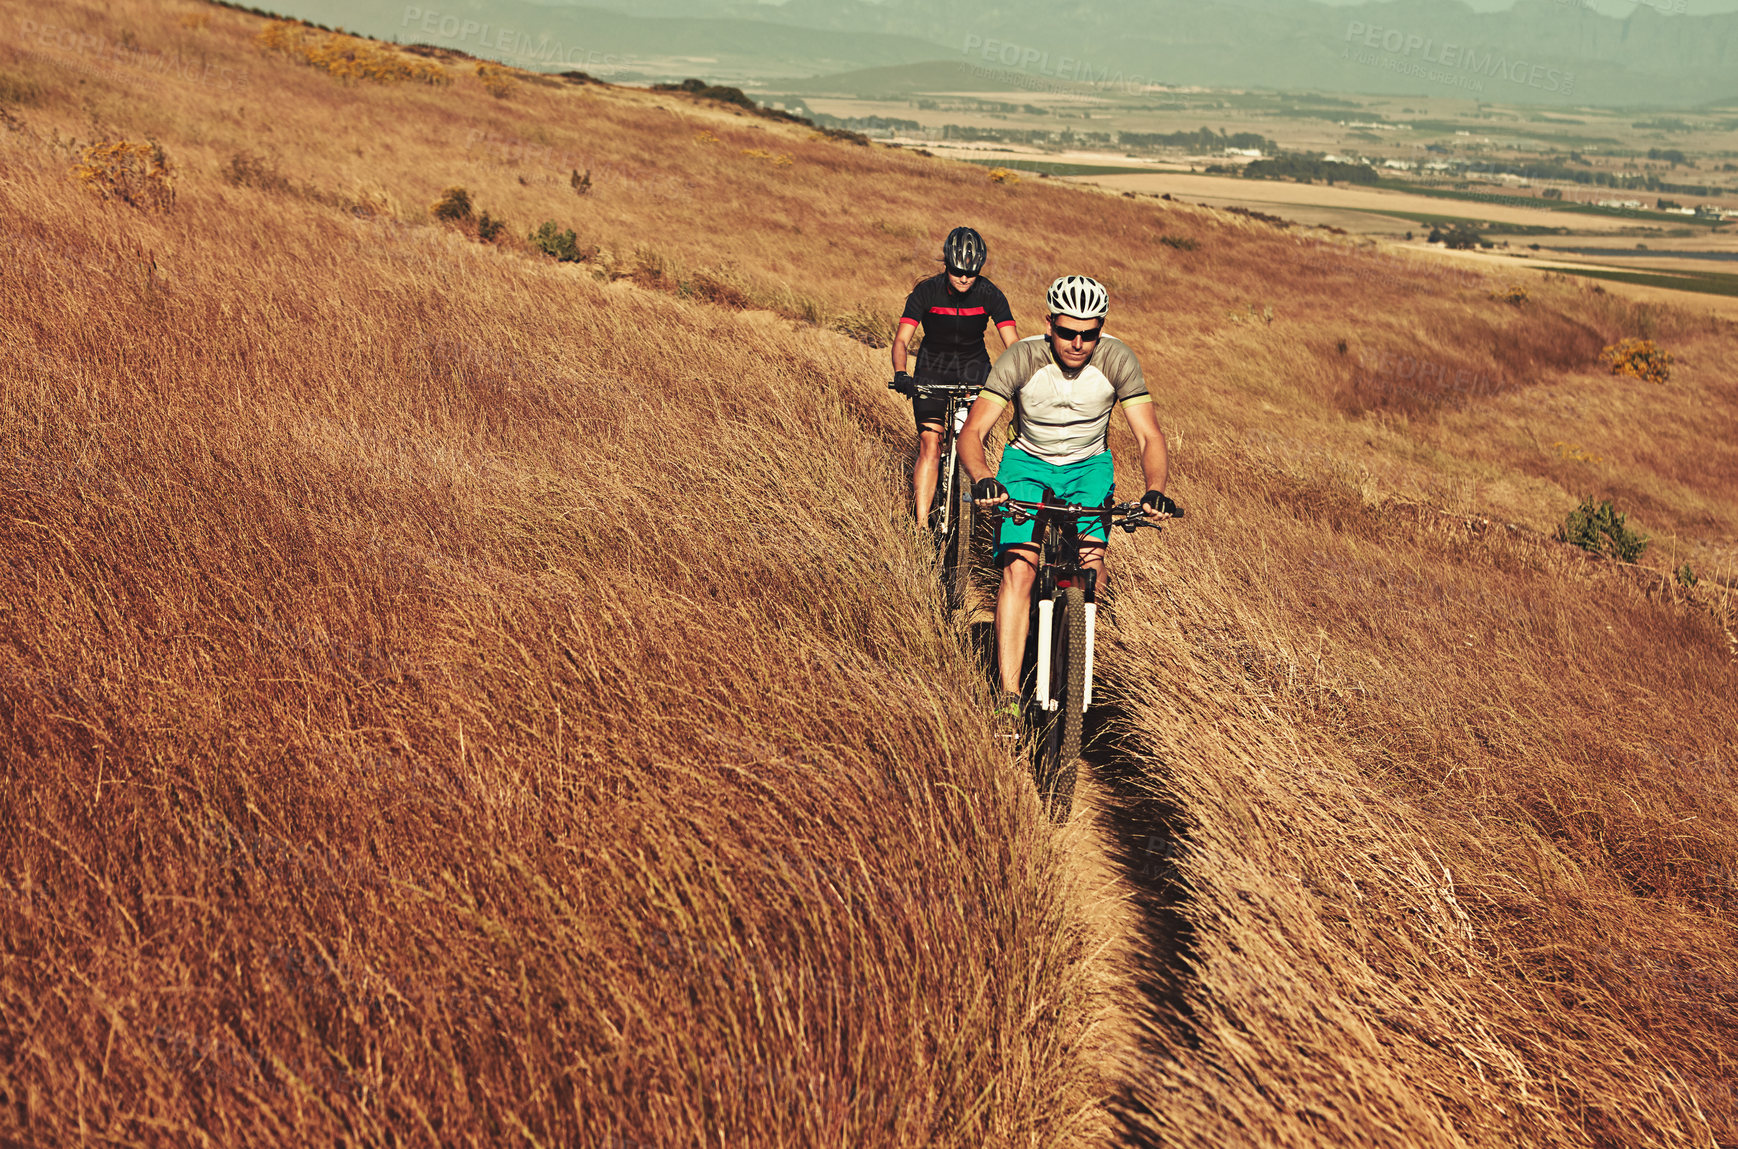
(901, 382)
(986, 489)
(1160, 503)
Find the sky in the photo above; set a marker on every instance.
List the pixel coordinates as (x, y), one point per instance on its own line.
(1668, 64)
(1618, 8)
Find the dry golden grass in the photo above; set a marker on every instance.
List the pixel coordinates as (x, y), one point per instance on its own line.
(453, 696)
(1457, 837)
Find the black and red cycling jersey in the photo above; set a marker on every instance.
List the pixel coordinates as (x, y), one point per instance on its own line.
(953, 326)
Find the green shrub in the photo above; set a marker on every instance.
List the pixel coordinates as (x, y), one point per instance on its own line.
(454, 206)
(845, 135)
(705, 91)
(1309, 168)
(562, 245)
(1687, 577)
(1598, 527)
(1179, 242)
(1461, 237)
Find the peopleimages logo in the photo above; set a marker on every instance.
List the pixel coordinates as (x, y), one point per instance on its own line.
(1034, 60)
(1395, 374)
(1409, 53)
(514, 44)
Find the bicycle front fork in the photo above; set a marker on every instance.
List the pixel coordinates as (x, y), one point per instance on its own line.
(1047, 641)
(950, 494)
(1046, 614)
(945, 492)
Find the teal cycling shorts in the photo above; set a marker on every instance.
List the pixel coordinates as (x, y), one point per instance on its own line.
(1088, 482)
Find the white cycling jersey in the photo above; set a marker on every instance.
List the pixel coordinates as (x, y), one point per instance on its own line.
(1065, 417)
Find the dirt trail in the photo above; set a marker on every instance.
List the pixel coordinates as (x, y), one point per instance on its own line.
(1116, 849)
(1098, 890)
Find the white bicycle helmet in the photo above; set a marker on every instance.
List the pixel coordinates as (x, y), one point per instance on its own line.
(1078, 297)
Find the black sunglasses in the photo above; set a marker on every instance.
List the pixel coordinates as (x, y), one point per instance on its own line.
(1069, 334)
(958, 274)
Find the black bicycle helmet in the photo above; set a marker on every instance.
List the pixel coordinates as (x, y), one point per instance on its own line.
(965, 250)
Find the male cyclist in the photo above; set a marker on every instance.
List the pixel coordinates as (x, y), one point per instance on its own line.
(1063, 385)
(954, 308)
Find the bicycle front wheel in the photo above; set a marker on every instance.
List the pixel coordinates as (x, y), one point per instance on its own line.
(956, 552)
(1057, 763)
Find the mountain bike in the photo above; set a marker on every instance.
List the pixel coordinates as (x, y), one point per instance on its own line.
(1056, 676)
(951, 514)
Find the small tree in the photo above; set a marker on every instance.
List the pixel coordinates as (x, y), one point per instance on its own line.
(1599, 528)
(1461, 236)
(562, 246)
(454, 206)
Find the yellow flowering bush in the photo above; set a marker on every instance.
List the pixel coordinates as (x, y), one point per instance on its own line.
(1638, 358)
(135, 174)
(348, 57)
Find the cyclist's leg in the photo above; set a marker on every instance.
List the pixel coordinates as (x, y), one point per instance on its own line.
(1013, 611)
(1092, 558)
(1089, 483)
(1017, 554)
(929, 414)
(925, 470)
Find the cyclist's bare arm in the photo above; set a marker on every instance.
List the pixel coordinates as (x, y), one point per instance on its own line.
(1143, 422)
(986, 409)
(1010, 335)
(902, 341)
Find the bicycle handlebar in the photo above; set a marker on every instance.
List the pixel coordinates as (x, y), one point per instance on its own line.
(1130, 516)
(937, 390)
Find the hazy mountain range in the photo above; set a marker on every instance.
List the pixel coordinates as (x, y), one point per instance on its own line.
(1554, 52)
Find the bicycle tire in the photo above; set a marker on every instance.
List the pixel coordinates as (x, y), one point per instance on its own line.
(1057, 765)
(957, 548)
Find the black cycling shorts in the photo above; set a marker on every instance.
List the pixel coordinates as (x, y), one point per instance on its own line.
(933, 411)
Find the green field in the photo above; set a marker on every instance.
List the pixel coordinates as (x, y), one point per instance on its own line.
(1425, 219)
(1703, 283)
(1547, 204)
(1055, 168)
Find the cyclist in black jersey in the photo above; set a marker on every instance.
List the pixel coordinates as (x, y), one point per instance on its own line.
(954, 308)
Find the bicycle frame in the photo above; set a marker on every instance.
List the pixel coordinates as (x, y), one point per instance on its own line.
(1059, 567)
(1057, 711)
(1057, 532)
(959, 398)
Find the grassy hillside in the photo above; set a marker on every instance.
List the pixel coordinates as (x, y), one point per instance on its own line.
(454, 695)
